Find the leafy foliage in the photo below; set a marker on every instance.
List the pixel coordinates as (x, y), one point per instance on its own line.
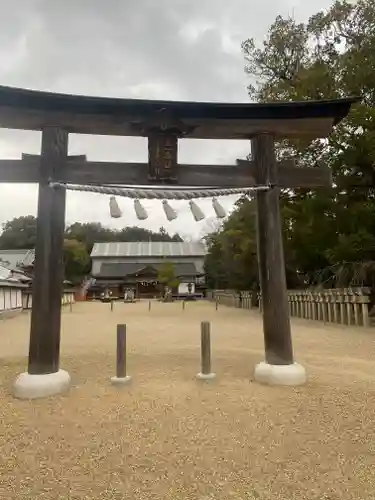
(19, 233)
(329, 234)
(167, 276)
(232, 250)
(92, 232)
(76, 260)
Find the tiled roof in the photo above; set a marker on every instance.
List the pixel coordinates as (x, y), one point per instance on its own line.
(29, 258)
(125, 269)
(148, 249)
(13, 258)
(8, 278)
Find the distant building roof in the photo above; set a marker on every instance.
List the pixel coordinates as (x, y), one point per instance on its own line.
(9, 278)
(13, 258)
(29, 258)
(148, 249)
(121, 270)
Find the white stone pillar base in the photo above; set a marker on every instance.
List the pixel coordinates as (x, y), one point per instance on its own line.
(29, 386)
(121, 380)
(292, 375)
(206, 376)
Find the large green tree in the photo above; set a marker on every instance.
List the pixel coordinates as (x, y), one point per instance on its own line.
(19, 233)
(167, 275)
(330, 56)
(231, 259)
(76, 260)
(329, 234)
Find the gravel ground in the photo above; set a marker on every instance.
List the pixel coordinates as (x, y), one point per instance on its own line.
(168, 436)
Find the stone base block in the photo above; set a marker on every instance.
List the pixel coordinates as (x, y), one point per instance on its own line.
(120, 380)
(29, 386)
(206, 376)
(290, 375)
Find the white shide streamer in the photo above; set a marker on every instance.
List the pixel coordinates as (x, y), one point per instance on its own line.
(140, 211)
(114, 209)
(170, 212)
(163, 194)
(219, 210)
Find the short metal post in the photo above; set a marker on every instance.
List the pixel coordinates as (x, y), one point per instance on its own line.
(121, 377)
(149, 305)
(183, 305)
(111, 305)
(71, 306)
(217, 303)
(206, 373)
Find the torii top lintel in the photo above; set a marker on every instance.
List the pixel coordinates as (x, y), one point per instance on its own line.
(34, 110)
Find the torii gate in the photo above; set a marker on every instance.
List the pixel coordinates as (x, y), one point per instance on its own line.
(163, 123)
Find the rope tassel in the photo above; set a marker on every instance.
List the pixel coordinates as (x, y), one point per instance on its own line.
(196, 211)
(170, 213)
(114, 209)
(140, 211)
(219, 210)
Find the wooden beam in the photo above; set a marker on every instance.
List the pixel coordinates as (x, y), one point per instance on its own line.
(276, 324)
(79, 171)
(91, 172)
(27, 156)
(48, 275)
(290, 176)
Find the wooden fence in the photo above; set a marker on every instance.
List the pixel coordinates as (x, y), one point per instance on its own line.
(345, 306)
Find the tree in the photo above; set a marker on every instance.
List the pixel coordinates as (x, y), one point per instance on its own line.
(76, 260)
(330, 56)
(231, 260)
(167, 276)
(19, 233)
(89, 233)
(93, 232)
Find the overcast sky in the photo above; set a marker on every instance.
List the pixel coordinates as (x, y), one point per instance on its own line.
(152, 49)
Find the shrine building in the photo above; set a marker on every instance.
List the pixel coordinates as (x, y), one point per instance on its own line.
(136, 265)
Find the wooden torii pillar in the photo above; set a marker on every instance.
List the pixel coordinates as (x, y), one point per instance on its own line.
(279, 367)
(44, 347)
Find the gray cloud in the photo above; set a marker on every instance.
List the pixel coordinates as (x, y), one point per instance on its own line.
(180, 49)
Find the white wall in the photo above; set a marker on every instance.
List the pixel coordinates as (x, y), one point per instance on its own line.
(67, 298)
(10, 298)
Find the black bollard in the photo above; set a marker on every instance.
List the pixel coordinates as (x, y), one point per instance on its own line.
(206, 373)
(121, 377)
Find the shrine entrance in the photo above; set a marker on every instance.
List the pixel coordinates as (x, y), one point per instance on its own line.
(147, 289)
(163, 123)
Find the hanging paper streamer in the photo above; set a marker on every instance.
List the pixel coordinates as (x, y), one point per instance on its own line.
(196, 211)
(114, 209)
(140, 210)
(219, 210)
(170, 213)
(165, 195)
